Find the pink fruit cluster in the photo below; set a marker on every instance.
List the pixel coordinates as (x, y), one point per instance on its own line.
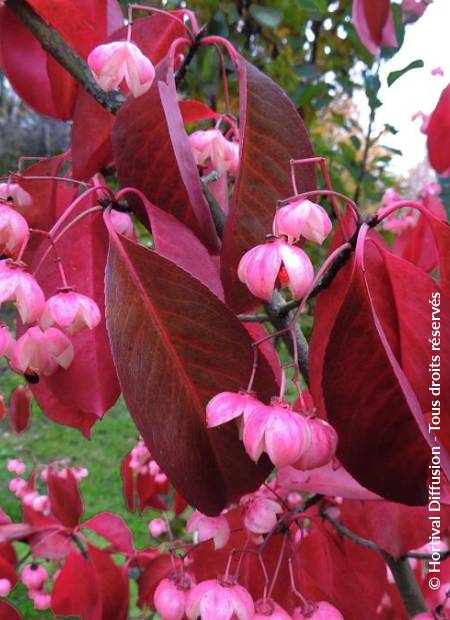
(286, 436)
(45, 346)
(212, 146)
(35, 577)
(28, 492)
(279, 262)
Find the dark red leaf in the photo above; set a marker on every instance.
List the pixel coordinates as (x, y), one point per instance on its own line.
(179, 244)
(92, 124)
(153, 153)
(76, 591)
(176, 345)
(114, 529)
(438, 132)
(19, 409)
(368, 398)
(113, 585)
(65, 499)
(8, 612)
(271, 133)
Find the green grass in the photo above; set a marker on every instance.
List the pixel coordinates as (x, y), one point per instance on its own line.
(46, 441)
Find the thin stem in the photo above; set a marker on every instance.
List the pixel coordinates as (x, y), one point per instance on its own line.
(215, 40)
(254, 367)
(151, 9)
(33, 177)
(278, 566)
(282, 383)
(368, 144)
(253, 318)
(196, 43)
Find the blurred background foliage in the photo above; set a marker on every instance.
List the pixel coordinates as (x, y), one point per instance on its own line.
(310, 47)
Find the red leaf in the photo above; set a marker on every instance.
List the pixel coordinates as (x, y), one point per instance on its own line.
(92, 124)
(8, 612)
(328, 480)
(129, 491)
(412, 292)
(65, 499)
(438, 132)
(368, 397)
(193, 111)
(76, 591)
(114, 529)
(91, 137)
(29, 79)
(8, 553)
(90, 383)
(7, 571)
(61, 413)
(20, 408)
(156, 568)
(338, 570)
(418, 244)
(188, 346)
(271, 133)
(43, 83)
(86, 28)
(178, 244)
(394, 528)
(113, 585)
(153, 154)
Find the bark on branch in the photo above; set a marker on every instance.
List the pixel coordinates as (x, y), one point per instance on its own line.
(53, 43)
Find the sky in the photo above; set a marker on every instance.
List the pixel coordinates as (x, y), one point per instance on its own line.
(427, 39)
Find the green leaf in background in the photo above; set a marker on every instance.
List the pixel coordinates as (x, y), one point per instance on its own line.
(266, 16)
(320, 6)
(391, 129)
(394, 75)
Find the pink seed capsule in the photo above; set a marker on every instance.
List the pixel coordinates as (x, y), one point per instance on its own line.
(71, 312)
(34, 576)
(111, 63)
(157, 527)
(323, 445)
(5, 587)
(302, 218)
(265, 266)
(170, 600)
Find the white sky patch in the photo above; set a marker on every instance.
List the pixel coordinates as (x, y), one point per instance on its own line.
(427, 39)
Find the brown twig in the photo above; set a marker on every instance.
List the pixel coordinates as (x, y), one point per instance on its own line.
(56, 46)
